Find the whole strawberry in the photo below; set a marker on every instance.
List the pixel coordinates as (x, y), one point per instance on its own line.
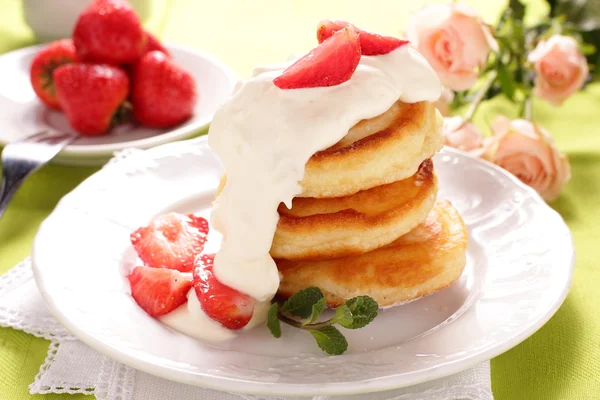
(152, 43)
(163, 94)
(90, 95)
(45, 62)
(109, 31)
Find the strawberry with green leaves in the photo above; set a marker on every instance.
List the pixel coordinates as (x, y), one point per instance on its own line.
(43, 65)
(163, 93)
(90, 95)
(109, 31)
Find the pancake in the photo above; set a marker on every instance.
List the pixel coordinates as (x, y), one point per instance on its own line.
(317, 229)
(427, 259)
(377, 151)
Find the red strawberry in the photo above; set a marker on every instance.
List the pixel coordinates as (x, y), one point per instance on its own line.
(152, 43)
(159, 291)
(90, 95)
(331, 63)
(163, 93)
(223, 304)
(171, 241)
(43, 65)
(371, 44)
(109, 31)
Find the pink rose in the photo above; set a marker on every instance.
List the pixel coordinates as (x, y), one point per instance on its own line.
(443, 103)
(461, 135)
(455, 41)
(561, 68)
(528, 152)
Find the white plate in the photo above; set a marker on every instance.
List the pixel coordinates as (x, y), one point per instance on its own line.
(22, 114)
(520, 262)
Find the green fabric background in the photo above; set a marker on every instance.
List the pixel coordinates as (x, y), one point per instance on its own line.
(560, 361)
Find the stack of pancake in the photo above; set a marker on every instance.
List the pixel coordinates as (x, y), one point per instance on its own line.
(367, 222)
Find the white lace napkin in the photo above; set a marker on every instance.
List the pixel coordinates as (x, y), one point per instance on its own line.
(73, 367)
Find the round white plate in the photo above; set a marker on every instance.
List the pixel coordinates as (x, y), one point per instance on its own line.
(22, 114)
(520, 262)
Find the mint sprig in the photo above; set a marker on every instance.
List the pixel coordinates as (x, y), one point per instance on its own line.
(301, 303)
(303, 309)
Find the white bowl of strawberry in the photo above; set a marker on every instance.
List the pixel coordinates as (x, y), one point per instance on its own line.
(113, 83)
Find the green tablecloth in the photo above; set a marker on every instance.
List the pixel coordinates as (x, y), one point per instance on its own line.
(561, 361)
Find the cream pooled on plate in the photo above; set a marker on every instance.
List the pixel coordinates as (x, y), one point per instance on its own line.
(264, 136)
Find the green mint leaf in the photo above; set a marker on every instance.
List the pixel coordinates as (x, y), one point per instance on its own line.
(330, 340)
(317, 309)
(301, 303)
(343, 316)
(363, 309)
(273, 322)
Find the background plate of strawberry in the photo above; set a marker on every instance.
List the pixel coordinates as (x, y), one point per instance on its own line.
(113, 83)
(86, 267)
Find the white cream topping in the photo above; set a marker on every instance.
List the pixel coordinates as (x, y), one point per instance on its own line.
(264, 136)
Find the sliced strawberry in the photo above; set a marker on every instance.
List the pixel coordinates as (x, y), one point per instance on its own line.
(229, 307)
(331, 63)
(171, 241)
(159, 291)
(371, 44)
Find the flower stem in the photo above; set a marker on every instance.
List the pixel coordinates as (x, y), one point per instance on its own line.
(527, 109)
(298, 324)
(480, 96)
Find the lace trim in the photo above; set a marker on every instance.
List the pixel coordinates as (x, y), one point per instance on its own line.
(50, 329)
(37, 388)
(43, 327)
(121, 155)
(115, 381)
(15, 276)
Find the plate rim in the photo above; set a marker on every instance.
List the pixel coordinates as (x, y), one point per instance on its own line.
(389, 382)
(78, 152)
